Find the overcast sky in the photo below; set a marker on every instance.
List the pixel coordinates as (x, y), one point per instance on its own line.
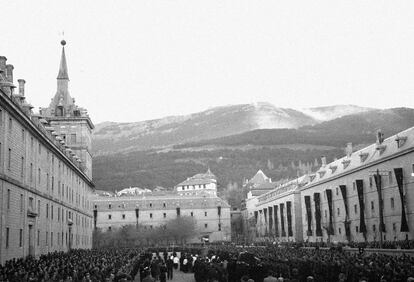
(138, 60)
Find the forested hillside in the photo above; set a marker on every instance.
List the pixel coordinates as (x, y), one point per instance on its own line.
(276, 151)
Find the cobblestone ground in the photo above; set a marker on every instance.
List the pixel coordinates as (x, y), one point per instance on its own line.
(179, 276)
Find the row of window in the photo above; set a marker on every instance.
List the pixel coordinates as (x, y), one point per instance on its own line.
(193, 187)
(151, 227)
(151, 215)
(50, 158)
(49, 211)
(61, 237)
(338, 210)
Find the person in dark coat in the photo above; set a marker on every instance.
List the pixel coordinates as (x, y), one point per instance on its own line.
(170, 265)
(163, 272)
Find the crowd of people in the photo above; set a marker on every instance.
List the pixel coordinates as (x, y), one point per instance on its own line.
(397, 244)
(304, 264)
(219, 263)
(76, 265)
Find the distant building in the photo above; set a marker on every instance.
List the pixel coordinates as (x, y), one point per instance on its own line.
(367, 195)
(45, 178)
(364, 195)
(150, 210)
(278, 213)
(199, 184)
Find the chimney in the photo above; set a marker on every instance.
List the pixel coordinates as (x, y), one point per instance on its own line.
(3, 65)
(323, 160)
(9, 69)
(21, 82)
(348, 149)
(380, 137)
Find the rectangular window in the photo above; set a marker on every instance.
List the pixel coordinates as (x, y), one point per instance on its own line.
(51, 239)
(8, 198)
(47, 181)
(31, 203)
(20, 237)
(110, 206)
(370, 182)
(390, 179)
(40, 148)
(38, 237)
(165, 215)
(123, 216)
(38, 174)
(205, 225)
(392, 203)
(38, 208)
(150, 205)
(356, 209)
(394, 227)
(21, 202)
(31, 172)
(47, 236)
(164, 205)
(339, 211)
(219, 227)
(9, 160)
(192, 214)
(353, 186)
(53, 184)
(23, 136)
(31, 143)
(109, 216)
(22, 168)
(7, 237)
(372, 205)
(47, 210)
(337, 191)
(150, 215)
(51, 212)
(205, 213)
(10, 125)
(356, 229)
(374, 228)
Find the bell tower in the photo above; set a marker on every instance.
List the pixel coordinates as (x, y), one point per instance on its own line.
(68, 120)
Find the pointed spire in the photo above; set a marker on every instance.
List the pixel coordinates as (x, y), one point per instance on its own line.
(63, 69)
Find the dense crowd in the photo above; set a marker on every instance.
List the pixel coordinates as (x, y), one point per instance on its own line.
(304, 264)
(400, 244)
(76, 265)
(220, 263)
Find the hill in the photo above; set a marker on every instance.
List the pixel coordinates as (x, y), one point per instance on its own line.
(110, 137)
(236, 156)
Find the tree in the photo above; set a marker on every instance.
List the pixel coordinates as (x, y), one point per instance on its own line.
(181, 228)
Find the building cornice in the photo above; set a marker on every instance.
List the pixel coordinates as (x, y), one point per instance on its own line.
(359, 168)
(41, 194)
(26, 122)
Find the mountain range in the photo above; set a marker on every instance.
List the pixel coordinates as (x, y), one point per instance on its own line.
(234, 142)
(111, 137)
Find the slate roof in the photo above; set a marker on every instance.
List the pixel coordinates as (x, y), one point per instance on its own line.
(364, 157)
(199, 179)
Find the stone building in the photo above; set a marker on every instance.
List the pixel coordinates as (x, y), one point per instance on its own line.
(368, 195)
(45, 186)
(211, 213)
(277, 213)
(202, 183)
